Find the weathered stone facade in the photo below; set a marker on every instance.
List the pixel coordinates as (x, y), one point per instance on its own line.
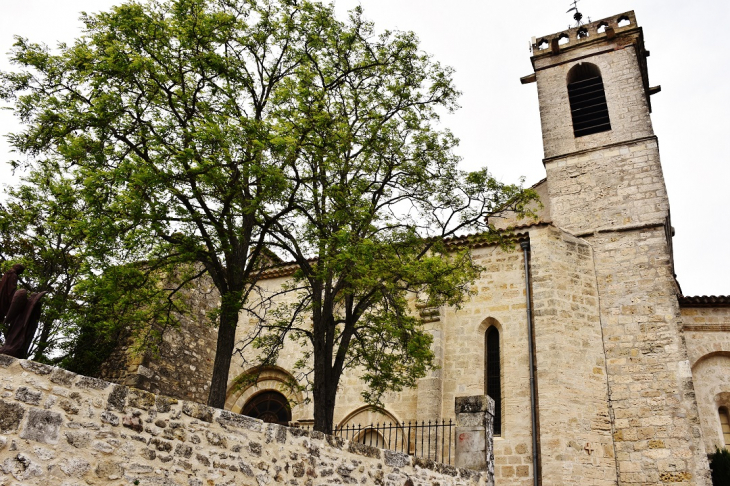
(706, 326)
(183, 365)
(63, 429)
(608, 189)
(629, 374)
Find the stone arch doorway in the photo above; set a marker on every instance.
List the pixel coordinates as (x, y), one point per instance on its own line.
(270, 406)
(255, 382)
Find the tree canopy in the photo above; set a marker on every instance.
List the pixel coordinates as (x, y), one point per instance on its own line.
(203, 133)
(35, 231)
(92, 301)
(378, 196)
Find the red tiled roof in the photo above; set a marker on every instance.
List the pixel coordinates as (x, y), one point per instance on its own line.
(705, 301)
(475, 240)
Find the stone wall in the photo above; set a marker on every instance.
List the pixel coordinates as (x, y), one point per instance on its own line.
(707, 334)
(500, 301)
(656, 423)
(60, 428)
(183, 366)
(618, 187)
(576, 444)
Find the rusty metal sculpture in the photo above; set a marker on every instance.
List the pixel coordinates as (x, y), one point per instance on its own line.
(8, 285)
(21, 323)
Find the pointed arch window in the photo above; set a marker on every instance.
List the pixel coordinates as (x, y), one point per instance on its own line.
(492, 375)
(725, 424)
(587, 98)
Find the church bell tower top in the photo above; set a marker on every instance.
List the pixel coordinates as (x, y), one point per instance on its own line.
(584, 35)
(586, 40)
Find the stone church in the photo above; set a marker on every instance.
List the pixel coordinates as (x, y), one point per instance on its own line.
(602, 372)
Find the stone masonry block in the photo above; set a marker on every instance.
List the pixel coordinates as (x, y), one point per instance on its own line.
(478, 403)
(470, 439)
(42, 426)
(396, 459)
(117, 398)
(93, 383)
(6, 360)
(237, 420)
(37, 368)
(470, 419)
(10, 416)
(62, 377)
(25, 394)
(198, 411)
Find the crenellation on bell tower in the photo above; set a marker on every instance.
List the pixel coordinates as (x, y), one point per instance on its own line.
(617, 52)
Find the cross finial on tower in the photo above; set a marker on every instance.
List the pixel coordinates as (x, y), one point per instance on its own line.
(577, 16)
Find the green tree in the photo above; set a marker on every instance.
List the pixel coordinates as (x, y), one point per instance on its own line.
(162, 115)
(199, 133)
(123, 308)
(38, 228)
(378, 207)
(43, 225)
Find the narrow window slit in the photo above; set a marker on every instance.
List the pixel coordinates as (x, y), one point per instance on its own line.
(493, 375)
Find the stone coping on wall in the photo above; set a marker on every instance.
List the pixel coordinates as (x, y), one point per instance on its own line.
(59, 428)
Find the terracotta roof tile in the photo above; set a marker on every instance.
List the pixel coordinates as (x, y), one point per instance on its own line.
(474, 240)
(704, 301)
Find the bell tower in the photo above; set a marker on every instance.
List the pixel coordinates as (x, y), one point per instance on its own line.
(593, 88)
(605, 186)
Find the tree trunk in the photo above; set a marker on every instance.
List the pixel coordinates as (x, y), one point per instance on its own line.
(42, 342)
(224, 351)
(324, 394)
(324, 390)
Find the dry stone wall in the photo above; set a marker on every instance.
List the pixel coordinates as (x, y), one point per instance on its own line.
(58, 428)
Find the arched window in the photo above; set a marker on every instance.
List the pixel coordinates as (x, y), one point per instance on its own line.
(725, 423)
(587, 100)
(493, 385)
(372, 437)
(270, 406)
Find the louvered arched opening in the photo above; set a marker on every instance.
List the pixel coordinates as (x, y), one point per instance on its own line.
(587, 97)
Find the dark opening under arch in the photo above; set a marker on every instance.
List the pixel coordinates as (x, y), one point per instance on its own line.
(587, 98)
(725, 425)
(492, 373)
(270, 406)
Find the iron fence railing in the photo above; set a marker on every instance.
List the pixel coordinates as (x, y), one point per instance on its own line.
(430, 440)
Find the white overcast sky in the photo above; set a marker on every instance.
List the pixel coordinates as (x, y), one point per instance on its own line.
(499, 126)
